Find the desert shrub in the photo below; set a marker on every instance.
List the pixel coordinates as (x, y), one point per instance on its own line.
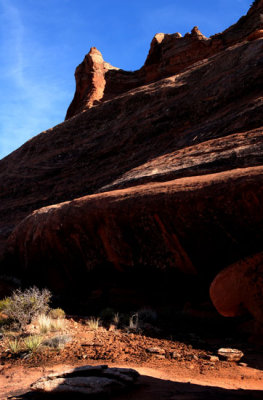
(93, 323)
(56, 313)
(25, 305)
(47, 324)
(57, 342)
(32, 343)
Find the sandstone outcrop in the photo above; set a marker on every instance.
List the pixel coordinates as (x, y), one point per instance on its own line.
(156, 172)
(169, 54)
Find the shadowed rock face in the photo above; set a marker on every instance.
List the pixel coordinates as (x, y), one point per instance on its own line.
(160, 172)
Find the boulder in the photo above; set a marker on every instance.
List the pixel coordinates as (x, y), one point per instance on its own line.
(238, 289)
(230, 354)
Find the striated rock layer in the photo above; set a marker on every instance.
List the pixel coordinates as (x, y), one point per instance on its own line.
(155, 176)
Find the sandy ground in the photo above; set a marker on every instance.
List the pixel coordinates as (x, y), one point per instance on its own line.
(164, 381)
(191, 375)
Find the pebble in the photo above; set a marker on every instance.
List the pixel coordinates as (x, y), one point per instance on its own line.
(242, 364)
(155, 350)
(213, 358)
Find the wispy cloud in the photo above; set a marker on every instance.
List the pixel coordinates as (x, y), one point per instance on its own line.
(32, 97)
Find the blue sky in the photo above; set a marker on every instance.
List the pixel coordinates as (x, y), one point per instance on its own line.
(42, 42)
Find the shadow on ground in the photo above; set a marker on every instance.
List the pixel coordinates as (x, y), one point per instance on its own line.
(148, 388)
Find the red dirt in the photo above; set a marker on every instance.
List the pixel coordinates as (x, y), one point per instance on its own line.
(161, 376)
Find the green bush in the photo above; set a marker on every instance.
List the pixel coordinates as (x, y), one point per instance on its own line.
(56, 313)
(32, 343)
(4, 303)
(26, 305)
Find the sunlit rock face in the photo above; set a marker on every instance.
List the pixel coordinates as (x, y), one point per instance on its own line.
(153, 184)
(169, 54)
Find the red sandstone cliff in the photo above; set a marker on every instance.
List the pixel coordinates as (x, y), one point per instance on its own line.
(160, 171)
(98, 81)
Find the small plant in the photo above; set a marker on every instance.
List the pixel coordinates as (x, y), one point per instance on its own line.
(93, 323)
(56, 313)
(44, 323)
(24, 306)
(58, 325)
(134, 322)
(116, 319)
(14, 345)
(47, 324)
(57, 342)
(32, 343)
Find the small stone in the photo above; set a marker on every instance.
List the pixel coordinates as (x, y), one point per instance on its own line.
(213, 358)
(112, 328)
(155, 350)
(242, 364)
(160, 356)
(176, 355)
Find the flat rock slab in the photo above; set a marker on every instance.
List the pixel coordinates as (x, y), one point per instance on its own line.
(88, 380)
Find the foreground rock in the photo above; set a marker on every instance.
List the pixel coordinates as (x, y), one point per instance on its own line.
(88, 380)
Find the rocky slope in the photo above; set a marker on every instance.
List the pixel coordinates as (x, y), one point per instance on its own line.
(160, 171)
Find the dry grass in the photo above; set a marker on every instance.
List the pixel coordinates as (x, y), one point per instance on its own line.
(47, 324)
(116, 319)
(93, 323)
